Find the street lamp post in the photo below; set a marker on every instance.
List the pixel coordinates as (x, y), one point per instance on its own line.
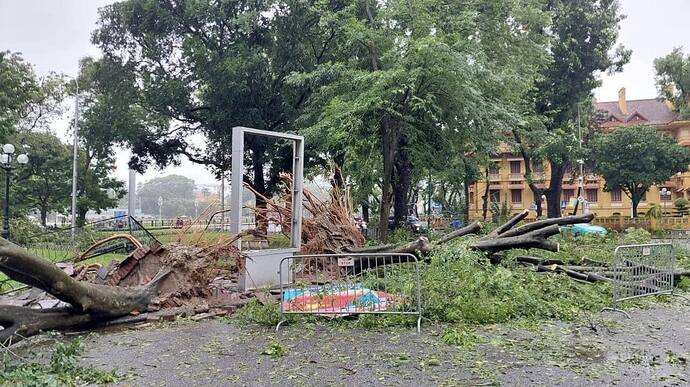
(160, 209)
(196, 209)
(665, 195)
(6, 164)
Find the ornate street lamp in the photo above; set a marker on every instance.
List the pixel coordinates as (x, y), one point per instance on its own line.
(6, 159)
(665, 196)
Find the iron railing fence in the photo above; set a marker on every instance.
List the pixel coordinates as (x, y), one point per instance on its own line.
(60, 246)
(350, 284)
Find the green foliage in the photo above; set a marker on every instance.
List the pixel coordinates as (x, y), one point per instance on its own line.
(655, 211)
(17, 88)
(257, 313)
(63, 369)
(177, 193)
(636, 157)
(44, 184)
(673, 80)
(459, 285)
(461, 336)
(274, 350)
(21, 229)
(596, 247)
(681, 205)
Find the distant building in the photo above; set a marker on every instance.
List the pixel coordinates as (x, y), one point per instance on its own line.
(507, 182)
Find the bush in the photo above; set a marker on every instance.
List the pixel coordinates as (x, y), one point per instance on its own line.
(681, 205)
(21, 229)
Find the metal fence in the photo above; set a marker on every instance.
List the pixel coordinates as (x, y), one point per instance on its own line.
(60, 246)
(642, 270)
(350, 284)
(679, 238)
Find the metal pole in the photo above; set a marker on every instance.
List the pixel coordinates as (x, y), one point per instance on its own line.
(74, 161)
(428, 207)
(131, 197)
(222, 201)
(6, 219)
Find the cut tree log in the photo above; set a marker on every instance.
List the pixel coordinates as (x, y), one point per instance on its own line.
(471, 228)
(509, 224)
(566, 220)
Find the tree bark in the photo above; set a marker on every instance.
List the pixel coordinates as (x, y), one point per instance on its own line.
(403, 174)
(553, 194)
(485, 197)
(389, 141)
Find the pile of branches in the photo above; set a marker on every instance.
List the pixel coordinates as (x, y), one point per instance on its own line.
(327, 225)
(504, 237)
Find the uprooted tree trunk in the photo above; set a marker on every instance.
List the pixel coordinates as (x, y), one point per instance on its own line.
(89, 302)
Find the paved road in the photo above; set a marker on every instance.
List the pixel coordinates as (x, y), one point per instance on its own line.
(603, 349)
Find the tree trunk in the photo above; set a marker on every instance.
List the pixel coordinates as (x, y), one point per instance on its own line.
(44, 216)
(81, 216)
(89, 302)
(553, 194)
(485, 197)
(403, 172)
(339, 160)
(389, 141)
(365, 212)
(466, 207)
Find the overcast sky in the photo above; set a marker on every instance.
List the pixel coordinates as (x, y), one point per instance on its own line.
(54, 34)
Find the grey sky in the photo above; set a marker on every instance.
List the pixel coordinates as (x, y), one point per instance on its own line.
(54, 34)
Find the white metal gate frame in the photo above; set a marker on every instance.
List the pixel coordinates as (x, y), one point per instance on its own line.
(347, 265)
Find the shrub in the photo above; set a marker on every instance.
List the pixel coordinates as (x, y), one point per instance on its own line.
(681, 205)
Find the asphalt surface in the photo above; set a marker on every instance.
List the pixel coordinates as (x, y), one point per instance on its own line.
(651, 349)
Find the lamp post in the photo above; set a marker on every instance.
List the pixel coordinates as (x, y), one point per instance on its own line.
(75, 145)
(196, 209)
(665, 195)
(6, 164)
(160, 209)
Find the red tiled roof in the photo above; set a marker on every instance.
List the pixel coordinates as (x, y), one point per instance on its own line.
(645, 111)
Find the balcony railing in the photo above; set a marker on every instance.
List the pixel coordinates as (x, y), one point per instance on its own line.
(515, 176)
(494, 176)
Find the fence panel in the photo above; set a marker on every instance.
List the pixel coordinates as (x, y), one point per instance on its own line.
(642, 270)
(60, 246)
(347, 284)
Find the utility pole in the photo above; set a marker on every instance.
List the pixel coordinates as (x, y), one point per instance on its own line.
(131, 197)
(74, 158)
(222, 201)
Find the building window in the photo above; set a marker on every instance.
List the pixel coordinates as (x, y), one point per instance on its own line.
(516, 196)
(591, 195)
(616, 195)
(494, 196)
(568, 194)
(515, 167)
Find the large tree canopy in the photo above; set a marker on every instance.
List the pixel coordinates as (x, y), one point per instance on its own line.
(673, 80)
(583, 35)
(634, 158)
(177, 193)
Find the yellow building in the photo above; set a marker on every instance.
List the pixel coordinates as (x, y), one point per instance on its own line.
(507, 182)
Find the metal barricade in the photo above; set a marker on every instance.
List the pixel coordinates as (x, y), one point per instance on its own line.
(642, 270)
(350, 284)
(678, 237)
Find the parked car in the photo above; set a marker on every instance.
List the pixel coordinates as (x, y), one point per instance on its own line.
(411, 222)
